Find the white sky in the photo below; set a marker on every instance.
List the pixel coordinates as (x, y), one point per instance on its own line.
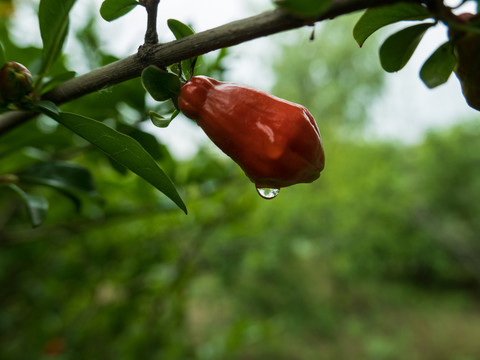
(406, 109)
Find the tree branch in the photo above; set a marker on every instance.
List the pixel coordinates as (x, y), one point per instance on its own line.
(163, 55)
(151, 36)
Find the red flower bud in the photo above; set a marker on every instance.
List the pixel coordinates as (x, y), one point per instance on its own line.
(15, 82)
(275, 142)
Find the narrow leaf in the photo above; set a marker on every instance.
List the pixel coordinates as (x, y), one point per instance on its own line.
(66, 177)
(161, 85)
(304, 8)
(48, 108)
(439, 66)
(376, 18)
(123, 149)
(179, 29)
(53, 20)
(149, 143)
(399, 47)
(37, 206)
(113, 9)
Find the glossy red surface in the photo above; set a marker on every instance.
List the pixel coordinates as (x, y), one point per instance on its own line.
(276, 142)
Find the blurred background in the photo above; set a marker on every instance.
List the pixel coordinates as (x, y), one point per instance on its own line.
(378, 259)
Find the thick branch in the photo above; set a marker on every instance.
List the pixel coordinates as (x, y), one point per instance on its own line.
(163, 55)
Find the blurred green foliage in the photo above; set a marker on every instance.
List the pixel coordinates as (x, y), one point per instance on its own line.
(378, 259)
(330, 76)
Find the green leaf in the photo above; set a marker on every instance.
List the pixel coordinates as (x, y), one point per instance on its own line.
(53, 20)
(179, 29)
(309, 9)
(174, 114)
(48, 108)
(57, 80)
(376, 18)
(439, 66)
(63, 176)
(37, 206)
(123, 149)
(161, 121)
(399, 47)
(3, 58)
(113, 9)
(149, 143)
(161, 85)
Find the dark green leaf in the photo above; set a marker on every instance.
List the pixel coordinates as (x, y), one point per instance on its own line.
(122, 170)
(376, 18)
(53, 20)
(67, 177)
(123, 149)
(3, 58)
(57, 80)
(113, 9)
(304, 8)
(48, 108)
(439, 66)
(161, 85)
(37, 206)
(149, 143)
(179, 29)
(399, 47)
(154, 148)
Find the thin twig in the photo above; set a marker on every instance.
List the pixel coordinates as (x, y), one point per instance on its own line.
(151, 36)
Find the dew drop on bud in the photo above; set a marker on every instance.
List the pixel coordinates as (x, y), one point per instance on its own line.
(268, 193)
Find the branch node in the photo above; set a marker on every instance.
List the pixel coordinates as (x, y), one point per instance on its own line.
(151, 36)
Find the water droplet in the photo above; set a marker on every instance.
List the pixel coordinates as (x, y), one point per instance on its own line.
(268, 193)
